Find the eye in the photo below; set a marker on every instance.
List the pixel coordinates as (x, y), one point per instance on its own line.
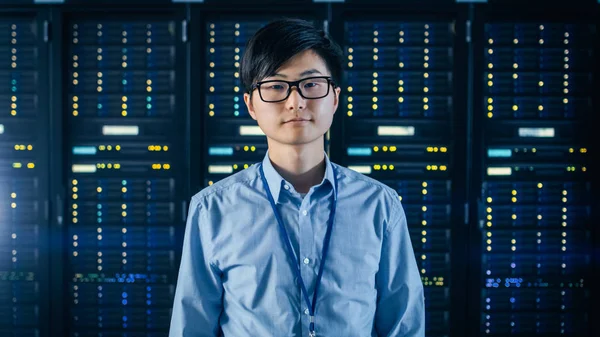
(275, 87)
(311, 85)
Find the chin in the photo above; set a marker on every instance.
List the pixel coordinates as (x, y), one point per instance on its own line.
(294, 141)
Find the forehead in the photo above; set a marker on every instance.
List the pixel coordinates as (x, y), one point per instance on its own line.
(298, 65)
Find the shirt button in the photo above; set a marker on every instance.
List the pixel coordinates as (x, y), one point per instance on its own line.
(306, 311)
(306, 260)
(304, 212)
(287, 187)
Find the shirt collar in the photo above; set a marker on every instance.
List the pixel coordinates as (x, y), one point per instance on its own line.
(276, 181)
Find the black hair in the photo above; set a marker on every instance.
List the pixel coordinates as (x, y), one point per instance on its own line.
(278, 41)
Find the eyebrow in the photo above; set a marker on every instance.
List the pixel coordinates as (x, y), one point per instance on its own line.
(302, 74)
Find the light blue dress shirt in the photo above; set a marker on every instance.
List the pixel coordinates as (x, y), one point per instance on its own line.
(236, 279)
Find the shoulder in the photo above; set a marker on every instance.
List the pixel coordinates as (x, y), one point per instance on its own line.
(366, 193)
(353, 180)
(227, 187)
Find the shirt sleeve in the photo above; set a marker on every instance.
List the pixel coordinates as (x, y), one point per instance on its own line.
(400, 299)
(198, 297)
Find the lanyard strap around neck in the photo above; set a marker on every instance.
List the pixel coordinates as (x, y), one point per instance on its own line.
(285, 237)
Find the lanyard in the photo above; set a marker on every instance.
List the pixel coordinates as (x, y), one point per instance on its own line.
(292, 254)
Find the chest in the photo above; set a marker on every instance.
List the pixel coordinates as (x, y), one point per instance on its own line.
(250, 245)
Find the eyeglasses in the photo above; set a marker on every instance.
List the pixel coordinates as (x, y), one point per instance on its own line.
(278, 90)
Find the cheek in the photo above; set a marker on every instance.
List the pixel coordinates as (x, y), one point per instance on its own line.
(262, 111)
(325, 109)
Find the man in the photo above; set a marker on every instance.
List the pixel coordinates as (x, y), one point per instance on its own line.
(296, 245)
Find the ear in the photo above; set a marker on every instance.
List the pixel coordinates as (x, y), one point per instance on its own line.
(336, 98)
(249, 105)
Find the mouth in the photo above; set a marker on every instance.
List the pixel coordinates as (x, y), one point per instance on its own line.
(297, 120)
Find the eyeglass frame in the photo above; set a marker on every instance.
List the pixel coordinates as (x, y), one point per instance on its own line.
(330, 82)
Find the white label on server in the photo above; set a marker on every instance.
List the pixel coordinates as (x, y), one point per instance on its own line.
(120, 130)
(396, 131)
(536, 132)
(251, 130)
(82, 168)
(1, 129)
(499, 171)
(220, 169)
(364, 169)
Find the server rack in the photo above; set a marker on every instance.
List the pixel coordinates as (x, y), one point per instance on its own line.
(124, 116)
(534, 223)
(400, 121)
(232, 139)
(24, 226)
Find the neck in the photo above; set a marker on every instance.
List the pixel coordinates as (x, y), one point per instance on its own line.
(303, 166)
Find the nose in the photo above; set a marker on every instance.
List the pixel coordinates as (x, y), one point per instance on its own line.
(295, 101)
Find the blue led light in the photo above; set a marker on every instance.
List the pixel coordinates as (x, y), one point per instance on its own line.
(123, 182)
(148, 295)
(148, 302)
(99, 206)
(124, 82)
(99, 213)
(13, 82)
(359, 151)
(124, 318)
(124, 302)
(148, 106)
(148, 99)
(236, 113)
(84, 150)
(236, 106)
(14, 89)
(99, 106)
(236, 99)
(499, 153)
(124, 295)
(148, 288)
(512, 300)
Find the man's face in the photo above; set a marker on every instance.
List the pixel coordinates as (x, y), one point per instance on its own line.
(296, 120)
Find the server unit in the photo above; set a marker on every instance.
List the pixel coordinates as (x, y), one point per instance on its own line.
(23, 178)
(535, 215)
(397, 128)
(232, 139)
(125, 173)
